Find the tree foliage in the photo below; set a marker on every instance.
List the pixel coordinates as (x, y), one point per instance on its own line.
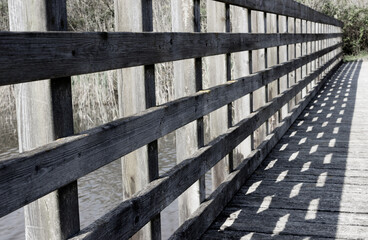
(354, 15)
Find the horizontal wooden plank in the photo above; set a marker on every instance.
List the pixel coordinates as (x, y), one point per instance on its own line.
(30, 56)
(324, 225)
(288, 8)
(61, 162)
(194, 227)
(216, 235)
(137, 211)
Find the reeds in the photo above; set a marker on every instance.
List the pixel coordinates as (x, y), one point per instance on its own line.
(95, 98)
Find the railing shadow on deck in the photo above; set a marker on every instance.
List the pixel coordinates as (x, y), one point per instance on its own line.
(303, 190)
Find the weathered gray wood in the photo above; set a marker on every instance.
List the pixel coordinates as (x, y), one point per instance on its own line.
(259, 63)
(71, 158)
(304, 27)
(136, 91)
(272, 58)
(210, 209)
(309, 50)
(324, 226)
(65, 54)
(160, 193)
(198, 68)
(283, 57)
(297, 54)
(240, 68)
(230, 106)
(314, 49)
(216, 67)
(291, 55)
(185, 84)
(250, 57)
(150, 97)
(216, 235)
(323, 217)
(44, 113)
(319, 47)
(339, 204)
(228, 141)
(287, 8)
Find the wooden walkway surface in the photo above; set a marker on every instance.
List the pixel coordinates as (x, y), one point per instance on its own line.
(314, 184)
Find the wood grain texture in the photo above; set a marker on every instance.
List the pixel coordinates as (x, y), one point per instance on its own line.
(283, 57)
(65, 54)
(138, 210)
(185, 84)
(59, 55)
(258, 25)
(211, 208)
(154, 228)
(70, 158)
(44, 113)
(136, 92)
(240, 68)
(291, 55)
(288, 8)
(324, 191)
(216, 68)
(297, 54)
(272, 58)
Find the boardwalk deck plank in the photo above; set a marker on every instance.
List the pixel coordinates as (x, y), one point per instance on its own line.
(311, 184)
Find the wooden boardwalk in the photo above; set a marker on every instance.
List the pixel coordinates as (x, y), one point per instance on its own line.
(314, 184)
(231, 81)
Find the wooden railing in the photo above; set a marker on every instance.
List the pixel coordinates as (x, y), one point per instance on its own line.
(285, 52)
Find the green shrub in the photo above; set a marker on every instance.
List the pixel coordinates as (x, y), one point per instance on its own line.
(354, 15)
(355, 29)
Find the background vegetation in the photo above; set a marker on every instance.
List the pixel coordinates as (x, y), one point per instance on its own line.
(354, 15)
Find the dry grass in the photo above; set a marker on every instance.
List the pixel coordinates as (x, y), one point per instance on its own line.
(94, 99)
(7, 100)
(7, 107)
(95, 95)
(318, 4)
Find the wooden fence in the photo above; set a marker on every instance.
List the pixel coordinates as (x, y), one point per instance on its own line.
(263, 61)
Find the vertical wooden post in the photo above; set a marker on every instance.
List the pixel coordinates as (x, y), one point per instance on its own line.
(228, 78)
(328, 41)
(297, 52)
(314, 49)
(283, 57)
(259, 96)
(291, 56)
(250, 58)
(319, 47)
(324, 27)
(198, 67)
(216, 22)
(136, 90)
(272, 60)
(44, 113)
(322, 46)
(182, 13)
(240, 68)
(303, 52)
(309, 51)
(332, 41)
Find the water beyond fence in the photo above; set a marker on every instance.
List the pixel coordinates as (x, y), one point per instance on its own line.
(99, 192)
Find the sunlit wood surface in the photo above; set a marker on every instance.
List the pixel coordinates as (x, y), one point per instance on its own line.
(314, 184)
